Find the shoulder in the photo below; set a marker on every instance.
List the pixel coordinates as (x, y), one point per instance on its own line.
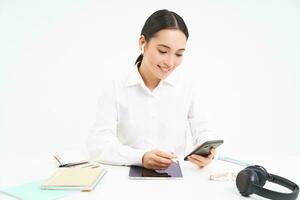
(114, 84)
(193, 85)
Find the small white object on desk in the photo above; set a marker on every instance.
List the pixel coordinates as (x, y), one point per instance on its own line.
(225, 176)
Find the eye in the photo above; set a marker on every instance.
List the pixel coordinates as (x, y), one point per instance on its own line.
(162, 52)
(179, 55)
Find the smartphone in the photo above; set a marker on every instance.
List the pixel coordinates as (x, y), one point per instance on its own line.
(204, 149)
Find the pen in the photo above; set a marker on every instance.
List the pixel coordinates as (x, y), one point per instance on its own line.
(234, 161)
(72, 164)
(174, 160)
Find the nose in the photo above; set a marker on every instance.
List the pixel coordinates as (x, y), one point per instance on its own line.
(169, 61)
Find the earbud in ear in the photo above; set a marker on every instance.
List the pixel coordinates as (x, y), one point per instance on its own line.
(142, 49)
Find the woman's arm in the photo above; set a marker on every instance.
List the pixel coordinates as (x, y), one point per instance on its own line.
(103, 143)
(200, 127)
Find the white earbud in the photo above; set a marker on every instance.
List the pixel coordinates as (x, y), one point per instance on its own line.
(142, 49)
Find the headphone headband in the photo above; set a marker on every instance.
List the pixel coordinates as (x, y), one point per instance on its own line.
(248, 182)
(283, 182)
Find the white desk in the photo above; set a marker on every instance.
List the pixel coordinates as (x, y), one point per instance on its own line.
(116, 185)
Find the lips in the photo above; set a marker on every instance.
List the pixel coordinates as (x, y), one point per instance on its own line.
(164, 69)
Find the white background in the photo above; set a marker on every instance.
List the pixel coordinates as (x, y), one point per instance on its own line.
(55, 55)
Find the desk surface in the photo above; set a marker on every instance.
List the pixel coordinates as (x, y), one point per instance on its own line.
(116, 184)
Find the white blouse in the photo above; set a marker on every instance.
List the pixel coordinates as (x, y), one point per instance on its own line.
(132, 120)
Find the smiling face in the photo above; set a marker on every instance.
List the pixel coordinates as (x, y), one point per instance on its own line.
(162, 54)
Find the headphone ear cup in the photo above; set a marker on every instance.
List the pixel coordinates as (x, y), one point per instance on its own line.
(261, 173)
(245, 181)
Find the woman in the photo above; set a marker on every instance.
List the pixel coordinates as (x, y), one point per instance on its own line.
(143, 117)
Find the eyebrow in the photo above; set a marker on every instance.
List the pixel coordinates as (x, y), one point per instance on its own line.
(163, 45)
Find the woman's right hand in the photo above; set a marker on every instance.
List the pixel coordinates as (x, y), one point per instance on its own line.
(157, 159)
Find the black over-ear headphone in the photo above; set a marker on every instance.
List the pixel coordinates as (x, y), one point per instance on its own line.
(252, 179)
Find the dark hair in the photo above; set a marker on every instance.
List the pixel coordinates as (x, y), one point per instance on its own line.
(159, 20)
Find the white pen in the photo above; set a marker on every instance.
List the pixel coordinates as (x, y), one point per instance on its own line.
(234, 161)
(174, 160)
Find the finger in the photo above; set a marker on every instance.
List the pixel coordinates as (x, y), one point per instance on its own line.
(165, 154)
(213, 151)
(198, 157)
(153, 164)
(157, 165)
(212, 154)
(201, 159)
(162, 167)
(196, 162)
(162, 160)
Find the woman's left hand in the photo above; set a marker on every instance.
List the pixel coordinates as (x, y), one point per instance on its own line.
(202, 161)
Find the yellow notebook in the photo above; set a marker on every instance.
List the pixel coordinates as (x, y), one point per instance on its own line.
(84, 179)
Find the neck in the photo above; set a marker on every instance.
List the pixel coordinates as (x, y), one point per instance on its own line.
(149, 79)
